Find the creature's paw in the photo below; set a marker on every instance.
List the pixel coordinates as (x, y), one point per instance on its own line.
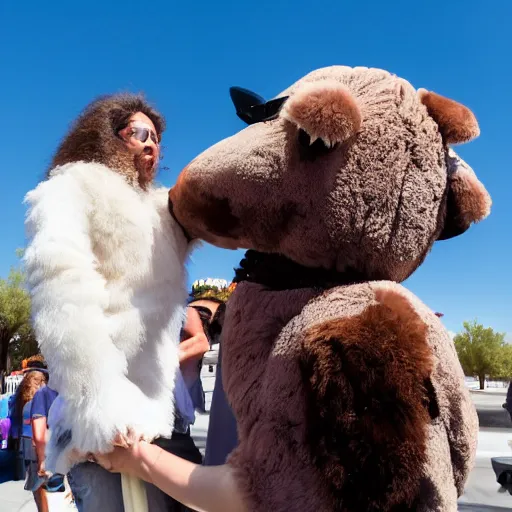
(119, 415)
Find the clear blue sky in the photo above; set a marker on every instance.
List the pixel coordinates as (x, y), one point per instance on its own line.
(57, 56)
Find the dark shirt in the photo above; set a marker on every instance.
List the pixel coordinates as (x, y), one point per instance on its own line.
(42, 401)
(222, 436)
(508, 402)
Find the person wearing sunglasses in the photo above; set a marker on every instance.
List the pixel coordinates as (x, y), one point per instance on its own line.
(105, 265)
(141, 140)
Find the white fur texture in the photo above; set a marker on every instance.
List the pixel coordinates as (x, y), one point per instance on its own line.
(106, 271)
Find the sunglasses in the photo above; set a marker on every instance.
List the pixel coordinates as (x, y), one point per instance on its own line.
(142, 133)
(252, 108)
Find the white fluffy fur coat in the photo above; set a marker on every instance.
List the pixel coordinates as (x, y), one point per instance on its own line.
(105, 267)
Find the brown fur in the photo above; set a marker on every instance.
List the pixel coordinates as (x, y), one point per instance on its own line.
(456, 122)
(473, 200)
(467, 200)
(93, 136)
(214, 213)
(343, 407)
(368, 404)
(326, 111)
(374, 203)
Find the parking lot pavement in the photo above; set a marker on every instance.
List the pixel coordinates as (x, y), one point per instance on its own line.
(489, 407)
(482, 488)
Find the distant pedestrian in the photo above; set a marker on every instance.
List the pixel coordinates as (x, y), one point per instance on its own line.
(508, 402)
(40, 409)
(28, 388)
(209, 299)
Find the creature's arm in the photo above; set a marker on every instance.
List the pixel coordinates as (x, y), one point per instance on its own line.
(69, 299)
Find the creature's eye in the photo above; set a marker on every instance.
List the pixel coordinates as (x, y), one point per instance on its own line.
(310, 151)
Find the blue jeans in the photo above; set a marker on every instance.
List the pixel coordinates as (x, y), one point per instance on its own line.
(96, 490)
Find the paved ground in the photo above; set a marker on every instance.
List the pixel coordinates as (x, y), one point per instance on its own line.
(482, 494)
(490, 411)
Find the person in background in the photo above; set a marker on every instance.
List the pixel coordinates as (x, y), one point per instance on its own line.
(41, 403)
(508, 402)
(28, 388)
(33, 363)
(209, 298)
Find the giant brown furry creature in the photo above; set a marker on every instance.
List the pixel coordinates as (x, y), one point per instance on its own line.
(346, 388)
(105, 267)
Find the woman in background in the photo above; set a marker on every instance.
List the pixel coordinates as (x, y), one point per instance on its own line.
(28, 387)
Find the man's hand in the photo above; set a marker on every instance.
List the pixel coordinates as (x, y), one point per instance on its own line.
(194, 341)
(193, 347)
(41, 470)
(125, 460)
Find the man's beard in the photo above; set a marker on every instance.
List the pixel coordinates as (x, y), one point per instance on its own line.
(146, 170)
(137, 170)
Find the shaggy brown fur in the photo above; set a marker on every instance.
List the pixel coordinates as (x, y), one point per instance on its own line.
(354, 404)
(456, 122)
(368, 404)
(467, 199)
(214, 213)
(473, 200)
(326, 111)
(93, 136)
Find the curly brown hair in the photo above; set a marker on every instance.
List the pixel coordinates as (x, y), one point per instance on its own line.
(93, 136)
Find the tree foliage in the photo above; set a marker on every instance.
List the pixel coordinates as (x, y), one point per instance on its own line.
(14, 317)
(212, 289)
(483, 353)
(23, 346)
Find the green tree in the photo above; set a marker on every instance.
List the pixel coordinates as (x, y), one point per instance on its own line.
(482, 352)
(505, 363)
(22, 346)
(14, 314)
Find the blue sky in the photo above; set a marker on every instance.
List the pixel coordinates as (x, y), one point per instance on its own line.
(57, 56)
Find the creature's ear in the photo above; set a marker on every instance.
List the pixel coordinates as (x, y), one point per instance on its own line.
(325, 111)
(456, 122)
(467, 201)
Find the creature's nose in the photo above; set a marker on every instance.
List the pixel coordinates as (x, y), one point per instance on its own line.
(170, 206)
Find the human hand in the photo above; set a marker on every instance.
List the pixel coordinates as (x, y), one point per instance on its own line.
(41, 470)
(131, 460)
(194, 342)
(194, 348)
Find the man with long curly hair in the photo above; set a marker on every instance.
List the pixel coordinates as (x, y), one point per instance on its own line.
(105, 267)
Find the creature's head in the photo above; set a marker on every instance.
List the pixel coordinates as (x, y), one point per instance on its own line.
(348, 169)
(121, 131)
